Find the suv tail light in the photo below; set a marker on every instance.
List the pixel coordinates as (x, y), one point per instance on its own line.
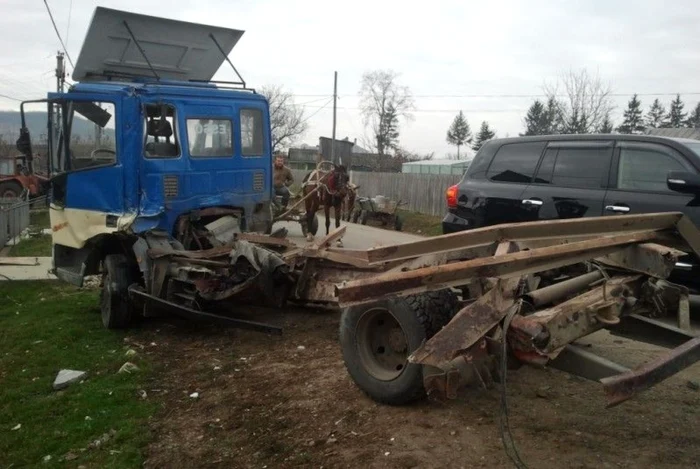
(451, 196)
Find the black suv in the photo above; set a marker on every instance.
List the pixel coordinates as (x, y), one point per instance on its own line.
(571, 176)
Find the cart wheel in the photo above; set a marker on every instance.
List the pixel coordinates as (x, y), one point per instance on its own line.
(398, 223)
(364, 215)
(376, 340)
(115, 305)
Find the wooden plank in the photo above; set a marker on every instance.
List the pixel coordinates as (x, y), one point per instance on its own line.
(505, 266)
(330, 237)
(556, 229)
(335, 257)
(264, 239)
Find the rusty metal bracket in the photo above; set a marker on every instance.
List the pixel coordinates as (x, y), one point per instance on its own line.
(624, 386)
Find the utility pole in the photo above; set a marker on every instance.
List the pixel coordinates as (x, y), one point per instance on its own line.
(335, 98)
(60, 72)
(60, 81)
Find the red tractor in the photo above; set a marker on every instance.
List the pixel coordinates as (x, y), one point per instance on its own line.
(16, 177)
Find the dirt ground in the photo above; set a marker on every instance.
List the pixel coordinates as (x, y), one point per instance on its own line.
(287, 401)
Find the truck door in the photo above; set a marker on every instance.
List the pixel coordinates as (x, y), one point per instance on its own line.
(87, 187)
(216, 156)
(570, 181)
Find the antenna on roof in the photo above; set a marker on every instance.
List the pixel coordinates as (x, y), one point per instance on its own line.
(226, 58)
(143, 53)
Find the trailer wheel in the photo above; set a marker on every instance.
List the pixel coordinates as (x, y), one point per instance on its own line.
(10, 190)
(376, 340)
(114, 298)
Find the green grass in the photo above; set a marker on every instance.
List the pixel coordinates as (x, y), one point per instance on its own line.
(426, 225)
(39, 246)
(46, 327)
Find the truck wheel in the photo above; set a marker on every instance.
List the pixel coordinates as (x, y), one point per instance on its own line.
(114, 298)
(376, 340)
(10, 190)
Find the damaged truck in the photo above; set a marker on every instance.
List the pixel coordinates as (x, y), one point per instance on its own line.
(170, 203)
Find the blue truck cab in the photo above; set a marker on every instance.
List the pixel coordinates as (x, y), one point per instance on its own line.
(145, 142)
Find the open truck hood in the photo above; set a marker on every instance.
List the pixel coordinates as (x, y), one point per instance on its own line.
(177, 50)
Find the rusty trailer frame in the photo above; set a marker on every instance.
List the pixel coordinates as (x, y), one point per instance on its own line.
(555, 282)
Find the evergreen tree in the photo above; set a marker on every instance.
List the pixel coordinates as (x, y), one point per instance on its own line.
(459, 132)
(555, 118)
(632, 118)
(694, 119)
(535, 120)
(676, 117)
(577, 123)
(606, 126)
(485, 133)
(656, 116)
(388, 134)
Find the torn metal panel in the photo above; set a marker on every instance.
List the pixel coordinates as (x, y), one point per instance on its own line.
(624, 386)
(468, 326)
(505, 266)
(554, 230)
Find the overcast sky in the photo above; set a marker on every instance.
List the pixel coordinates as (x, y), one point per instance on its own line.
(446, 52)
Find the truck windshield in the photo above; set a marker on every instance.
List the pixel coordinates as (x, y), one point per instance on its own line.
(89, 128)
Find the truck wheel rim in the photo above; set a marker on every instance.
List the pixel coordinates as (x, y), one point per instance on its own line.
(382, 344)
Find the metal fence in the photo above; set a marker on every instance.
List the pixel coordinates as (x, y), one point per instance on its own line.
(14, 218)
(422, 193)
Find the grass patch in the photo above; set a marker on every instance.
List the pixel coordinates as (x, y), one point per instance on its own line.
(46, 327)
(426, 225)
(39, 219)
(39, 245)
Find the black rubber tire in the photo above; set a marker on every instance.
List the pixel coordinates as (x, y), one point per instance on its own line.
(364, 215)
(420, 317)
(116, 308)
(398, 223)
(11, 188)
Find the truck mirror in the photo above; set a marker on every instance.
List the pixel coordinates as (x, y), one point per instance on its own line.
(24, 144)
(682, 181)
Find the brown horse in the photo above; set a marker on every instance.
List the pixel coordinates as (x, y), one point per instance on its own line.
(332, 189)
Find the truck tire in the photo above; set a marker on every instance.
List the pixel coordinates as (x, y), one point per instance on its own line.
(10, 190)
(376, 340)
(115, 305)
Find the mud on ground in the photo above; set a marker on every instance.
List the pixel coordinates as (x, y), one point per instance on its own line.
(287, 402)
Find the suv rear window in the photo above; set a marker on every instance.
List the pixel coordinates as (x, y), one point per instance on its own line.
(582, 167)
(515, 162)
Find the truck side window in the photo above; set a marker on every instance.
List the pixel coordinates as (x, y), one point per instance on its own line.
(90, 131)
(160, 131)
(251, 132)
(582, 167)
(642, 169)
(210, 137)
(515, 162)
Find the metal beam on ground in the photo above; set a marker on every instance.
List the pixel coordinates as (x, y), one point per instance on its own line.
(577, 361)
(650, 331)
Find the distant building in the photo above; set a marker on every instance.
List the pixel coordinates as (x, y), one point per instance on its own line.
(303, 158)
(457, 167)
(674, 132)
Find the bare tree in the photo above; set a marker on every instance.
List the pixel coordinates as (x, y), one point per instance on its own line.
(382, 101)
(287, 121)
(583, 99)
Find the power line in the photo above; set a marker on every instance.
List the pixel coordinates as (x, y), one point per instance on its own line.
(325, 96)
(319, 110)
(70, 11)
(10, 97)
(58, 34)
(513, 96)
(439, 110)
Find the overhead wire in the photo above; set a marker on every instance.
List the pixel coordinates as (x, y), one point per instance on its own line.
(9, 97)
(319, 110)
(58, 34)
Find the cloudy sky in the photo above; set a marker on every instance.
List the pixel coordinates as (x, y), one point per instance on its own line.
(488, 59)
